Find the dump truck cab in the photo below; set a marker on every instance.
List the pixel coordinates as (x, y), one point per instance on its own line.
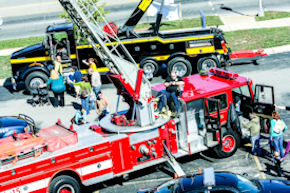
(31, 64)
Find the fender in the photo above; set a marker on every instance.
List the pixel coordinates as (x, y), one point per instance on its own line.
(183, 54)
(32, 68)
(149, 58)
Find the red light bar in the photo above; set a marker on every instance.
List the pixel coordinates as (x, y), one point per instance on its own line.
(223, 73)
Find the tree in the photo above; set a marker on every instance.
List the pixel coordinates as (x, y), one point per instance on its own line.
(79, 37)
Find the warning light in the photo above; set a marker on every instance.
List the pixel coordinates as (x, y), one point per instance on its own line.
(223, 73)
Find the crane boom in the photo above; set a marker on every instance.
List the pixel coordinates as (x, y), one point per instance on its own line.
(113, 54)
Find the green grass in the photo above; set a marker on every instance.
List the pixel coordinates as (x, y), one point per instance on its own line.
(258, 38)
(4, 44)
(184, 23)
(5, 67)
(273, 15)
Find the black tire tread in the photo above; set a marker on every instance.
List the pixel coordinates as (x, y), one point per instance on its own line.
(60, 179)
(178, 59)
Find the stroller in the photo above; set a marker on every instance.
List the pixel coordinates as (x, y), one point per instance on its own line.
(40, 97)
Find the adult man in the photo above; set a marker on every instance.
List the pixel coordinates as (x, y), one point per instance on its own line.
(172, 83)
(102, 104)
(254, 126)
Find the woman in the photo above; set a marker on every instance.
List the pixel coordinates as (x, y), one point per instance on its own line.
(57, 86)
(91, 63)
(276, 132)
(85, 92)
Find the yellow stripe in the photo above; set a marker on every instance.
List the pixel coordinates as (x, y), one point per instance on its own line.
(151, 40)
(73, 56)
(221, 51)
(84, 46)
(200, 50)
(144, 5)
(36, 59)
(159, 58)
(101, 69)
(28, 60)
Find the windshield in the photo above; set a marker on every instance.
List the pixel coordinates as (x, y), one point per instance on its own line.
(247, 186)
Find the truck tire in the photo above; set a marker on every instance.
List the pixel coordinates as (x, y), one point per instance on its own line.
(228, 146)
(150, 68)
(64, 184)
(180, 65)
(205, 63)
(34, 79)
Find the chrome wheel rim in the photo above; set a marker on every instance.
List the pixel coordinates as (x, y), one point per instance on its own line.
(180, 69)
(208, 64)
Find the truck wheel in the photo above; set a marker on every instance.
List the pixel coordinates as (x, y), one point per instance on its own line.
(180, 65)
(228, 146)
(207, 63)
(150, 68)
(64, 184)
(34, 79)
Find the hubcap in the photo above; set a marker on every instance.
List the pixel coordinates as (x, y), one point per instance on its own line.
(36, 82)
(208, 64)
(66, 188)
(228, 143)
(180, 69)
(149, 69)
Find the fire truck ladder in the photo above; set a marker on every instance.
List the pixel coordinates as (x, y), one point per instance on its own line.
(110, 49)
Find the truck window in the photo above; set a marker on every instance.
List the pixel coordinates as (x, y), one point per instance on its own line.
(223, 103)
(196, 105)
(243, 90)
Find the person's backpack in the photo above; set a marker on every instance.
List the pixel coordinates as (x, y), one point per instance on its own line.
(279, 126)
(85, 92)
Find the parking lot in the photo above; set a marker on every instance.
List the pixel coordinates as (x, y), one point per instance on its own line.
(272, 70)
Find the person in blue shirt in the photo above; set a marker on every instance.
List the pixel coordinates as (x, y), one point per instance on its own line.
(57, 86)
(80, 117)
(75, 76)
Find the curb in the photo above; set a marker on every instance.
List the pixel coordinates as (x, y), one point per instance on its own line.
(268, 51)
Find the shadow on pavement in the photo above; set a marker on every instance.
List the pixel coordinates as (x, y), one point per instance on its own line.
(76, 106)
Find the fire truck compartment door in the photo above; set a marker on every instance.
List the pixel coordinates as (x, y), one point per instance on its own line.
(192, 128)
(264, 99)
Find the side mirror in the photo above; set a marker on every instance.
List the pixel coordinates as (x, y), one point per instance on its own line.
(245, 174)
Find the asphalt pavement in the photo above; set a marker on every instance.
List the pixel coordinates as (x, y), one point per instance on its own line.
(272, 70)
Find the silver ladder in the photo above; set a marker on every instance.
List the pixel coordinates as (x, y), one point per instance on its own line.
(110, 50)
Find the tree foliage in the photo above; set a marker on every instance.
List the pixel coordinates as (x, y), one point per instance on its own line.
(65, 15)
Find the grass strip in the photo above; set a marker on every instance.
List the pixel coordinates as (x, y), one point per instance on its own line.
(268, 15)
(258, 38)
(5, 67)
(22, 42)
(184, 23)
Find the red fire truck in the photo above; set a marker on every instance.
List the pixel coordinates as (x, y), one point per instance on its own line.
(68, 158)
(59, 159)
